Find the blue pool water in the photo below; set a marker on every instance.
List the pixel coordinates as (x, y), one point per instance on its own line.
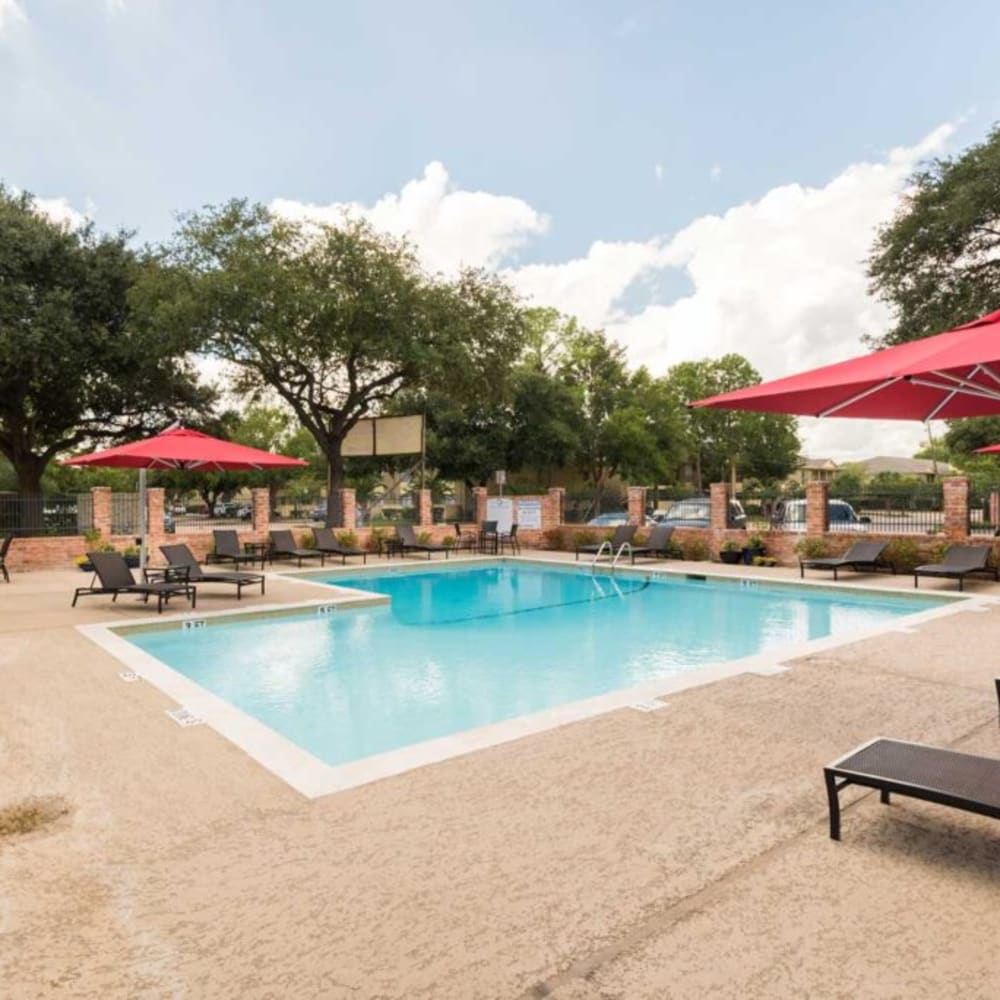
(462, 647)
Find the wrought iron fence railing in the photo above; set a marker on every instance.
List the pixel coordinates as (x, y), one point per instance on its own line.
(52, 515)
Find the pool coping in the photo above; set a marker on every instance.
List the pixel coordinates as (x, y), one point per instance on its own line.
(313, 778)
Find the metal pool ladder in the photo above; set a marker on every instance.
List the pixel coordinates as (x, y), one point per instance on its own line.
(614, 556)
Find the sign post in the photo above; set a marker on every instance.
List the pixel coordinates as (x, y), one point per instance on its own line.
(501, 475)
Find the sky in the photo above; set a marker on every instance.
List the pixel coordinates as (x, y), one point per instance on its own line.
(694, 178)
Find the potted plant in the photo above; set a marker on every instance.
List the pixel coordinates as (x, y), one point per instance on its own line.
(131, 556)
(754, 548)
(731, 552)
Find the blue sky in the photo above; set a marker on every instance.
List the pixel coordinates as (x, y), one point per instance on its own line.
(629, 125)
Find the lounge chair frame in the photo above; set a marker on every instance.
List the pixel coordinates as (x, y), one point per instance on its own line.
(4, 549)
(952, 566)
(283, 546)
(227, 548)
(327, 543)
(661, 534)
(408, 542)
(116, 578)
(185, 568)
(960, 780)
(874, 561)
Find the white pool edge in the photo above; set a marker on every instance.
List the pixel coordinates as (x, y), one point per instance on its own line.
(313, 778)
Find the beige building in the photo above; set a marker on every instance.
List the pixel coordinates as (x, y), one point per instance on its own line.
(822, 470)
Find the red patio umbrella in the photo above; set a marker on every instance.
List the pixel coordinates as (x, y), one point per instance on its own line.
(953, 374)
(181, 448)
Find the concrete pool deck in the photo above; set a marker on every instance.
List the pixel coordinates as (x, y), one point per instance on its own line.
(677, 853)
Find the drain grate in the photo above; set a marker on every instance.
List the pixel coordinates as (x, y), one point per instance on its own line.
(183, 717)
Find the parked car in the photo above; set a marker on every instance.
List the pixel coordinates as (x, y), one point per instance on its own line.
(168, 523)
(614, 520)
(695, 512)
(790, 515)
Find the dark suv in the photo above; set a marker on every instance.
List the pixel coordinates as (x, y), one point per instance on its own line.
(695, 512)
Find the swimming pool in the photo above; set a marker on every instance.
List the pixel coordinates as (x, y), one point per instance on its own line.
(463, 647)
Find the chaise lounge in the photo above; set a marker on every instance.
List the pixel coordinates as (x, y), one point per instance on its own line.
(227, 548)
(408, 542)
(116, 578)
(860, 556)
(326, 542)
(623, 533)
(959, 562)
(283, 546)
(933, 774)
(657, 545)
(184, 567)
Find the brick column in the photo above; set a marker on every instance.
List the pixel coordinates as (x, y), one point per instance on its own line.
(479, 503)
(425, 509)
(719, 507)
(260, 502)
(817, 508)
(155, 509)
(637, 505)
(100, 498)
(956, 507)
(348, 509)
(557, 506)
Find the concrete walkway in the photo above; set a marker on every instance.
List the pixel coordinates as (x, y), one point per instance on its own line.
(680, 853)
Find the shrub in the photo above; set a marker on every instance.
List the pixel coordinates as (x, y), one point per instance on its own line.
(308, 539)
(695, 549)
(424, 537)
(813, 548)
(449, 541)
(586, 538)
(904, 554)
(555, 539)
(674, 550)
(730, 546)
(348, 539)
(92, 536)
(375, 538)
(757, 543)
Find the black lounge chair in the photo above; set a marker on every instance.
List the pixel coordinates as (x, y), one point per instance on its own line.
(465, 540)
(283, 546)
(657, 545)
(860, 556)
(960, 780)
(408, 542)
(623, 533)
(228, 549)
(509, 538)
(116, 578)
(327, 543)
(959, 562)
(4, 549)
(184, 567)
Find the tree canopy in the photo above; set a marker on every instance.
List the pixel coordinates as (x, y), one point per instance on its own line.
(937, 263)
(75, 367)
(335, 320)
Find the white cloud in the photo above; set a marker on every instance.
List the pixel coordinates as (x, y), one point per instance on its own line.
(451, 227)
(61, 211)
(716, 172)
(658, 171)
(780, 279)
(10, 13)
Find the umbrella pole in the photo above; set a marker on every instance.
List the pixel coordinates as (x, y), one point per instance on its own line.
(142, 521)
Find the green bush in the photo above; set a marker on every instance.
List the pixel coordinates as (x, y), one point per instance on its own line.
(555, 539)
(695, 549)
(424, 537)
(449, 541)
(813, 548)
(904, 554)
(375, 538)
(348, 539)
(586, 538)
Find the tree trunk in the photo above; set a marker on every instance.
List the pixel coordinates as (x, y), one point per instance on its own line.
(30, 516)
(334, 484)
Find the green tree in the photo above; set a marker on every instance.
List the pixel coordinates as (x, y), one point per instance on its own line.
(937, 263)
(336, 320)
(724, 442)
(75, 367)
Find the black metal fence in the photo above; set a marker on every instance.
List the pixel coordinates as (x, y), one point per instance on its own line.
(582, 506)
(984, 509)
(45, 515)
(911, 510)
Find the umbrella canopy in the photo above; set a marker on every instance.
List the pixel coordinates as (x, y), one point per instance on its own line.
(954, 374)
(180, 448)
(990, 449)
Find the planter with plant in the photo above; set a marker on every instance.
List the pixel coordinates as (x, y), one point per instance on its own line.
(424, 537)
(92, 536)
(731, 552)
(131, 556)
(348, 539)
(375, 539)
(754, 547)
(449, 541)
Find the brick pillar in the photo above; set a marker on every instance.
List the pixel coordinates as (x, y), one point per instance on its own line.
(479, 503)
(100, 498)
(637, 505)
(425, 509)
(956, 507)
(260, 502)
(155, 534)
(719, 507)
(817, 508)
(557, 506)
(348, 509)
